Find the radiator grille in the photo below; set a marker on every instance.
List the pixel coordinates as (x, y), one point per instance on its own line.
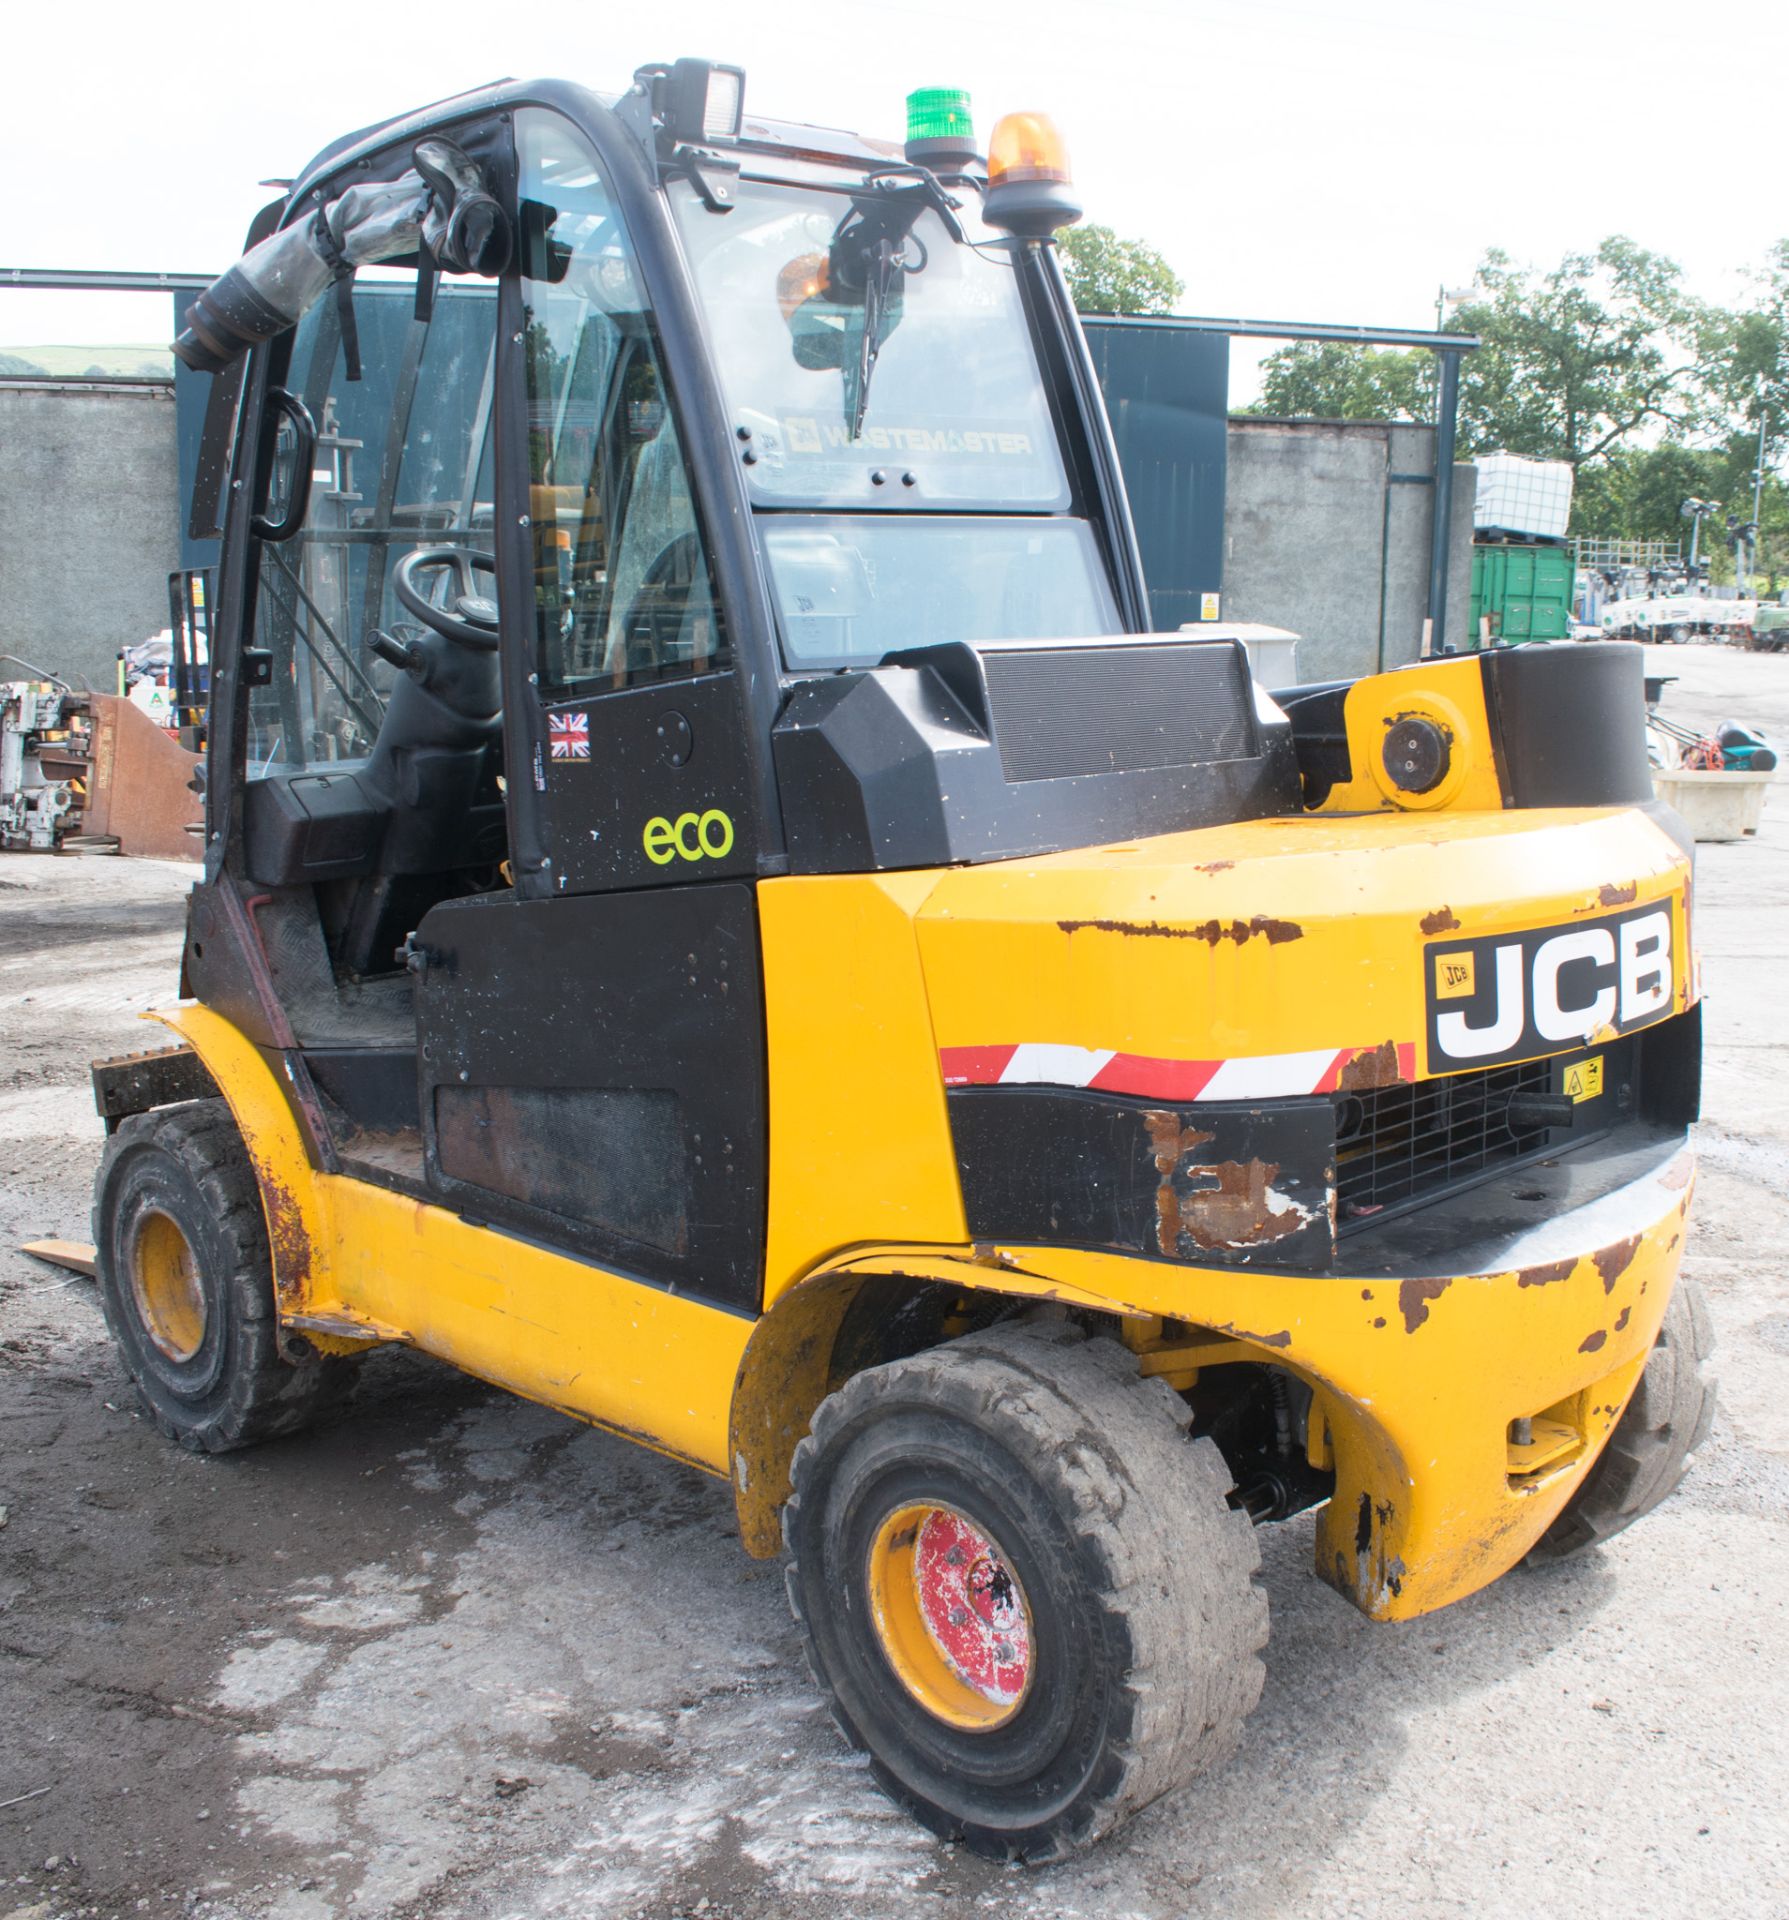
(1403, 1143)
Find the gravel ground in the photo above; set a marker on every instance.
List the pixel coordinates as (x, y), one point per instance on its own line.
(454, 1656)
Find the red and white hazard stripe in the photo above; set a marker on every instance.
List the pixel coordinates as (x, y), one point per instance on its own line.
(1249, 1076)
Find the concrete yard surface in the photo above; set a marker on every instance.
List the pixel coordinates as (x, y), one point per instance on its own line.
(453, 1656)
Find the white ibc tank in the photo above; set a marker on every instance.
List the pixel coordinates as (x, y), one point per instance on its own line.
(1523, 496)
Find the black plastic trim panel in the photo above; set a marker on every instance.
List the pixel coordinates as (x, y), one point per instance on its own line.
(904, 765)
(1212, 1184)
(1570, 723)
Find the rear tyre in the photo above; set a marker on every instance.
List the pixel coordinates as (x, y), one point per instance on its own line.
(1665, 1422)
(187, 1284)
(1022, 1587)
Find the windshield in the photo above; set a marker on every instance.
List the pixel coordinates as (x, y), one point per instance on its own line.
(870, 359)
(853, 587)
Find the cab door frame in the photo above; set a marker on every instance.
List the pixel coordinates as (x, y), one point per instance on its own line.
(723, 512)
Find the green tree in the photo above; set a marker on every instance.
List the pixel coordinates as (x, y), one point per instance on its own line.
(1577, 361)
(1637, 493)
(1312, 380)
(1110, 275)
(1744, 355)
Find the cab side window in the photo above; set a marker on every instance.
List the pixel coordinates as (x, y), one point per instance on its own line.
(403, 459)
(623, 590)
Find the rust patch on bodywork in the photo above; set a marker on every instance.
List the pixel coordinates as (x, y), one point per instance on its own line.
(1545, 1275)
(1371, 1067)
(287, 1239)
(1414, 1297)
(1131, 929)
(1170, 1143)
(1614, 896)
(1230, 1203)
(1621, 1319)
(1239, 1208)
(1677, 1174)
(1614, 1261)
(1274, 932)
(1214, 866)
(1592, 1342)
(1254, 1339)
(1442, 920)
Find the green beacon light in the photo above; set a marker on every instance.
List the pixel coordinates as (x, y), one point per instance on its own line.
(940, 129)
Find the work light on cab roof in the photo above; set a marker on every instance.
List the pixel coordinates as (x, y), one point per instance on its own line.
(699, 101)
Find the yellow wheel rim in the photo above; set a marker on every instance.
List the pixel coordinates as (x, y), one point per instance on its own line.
(164, 1280)
(951, 1616)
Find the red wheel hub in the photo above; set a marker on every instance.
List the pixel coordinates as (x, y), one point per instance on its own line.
(972, 1607)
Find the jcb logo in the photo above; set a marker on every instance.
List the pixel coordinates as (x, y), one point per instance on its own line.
(1531, 993)
(691, 836)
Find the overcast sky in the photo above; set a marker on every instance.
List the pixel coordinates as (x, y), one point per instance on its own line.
(1292, 161)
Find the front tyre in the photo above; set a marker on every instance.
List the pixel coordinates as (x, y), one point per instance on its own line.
(1023, 1588)
(187, 1284)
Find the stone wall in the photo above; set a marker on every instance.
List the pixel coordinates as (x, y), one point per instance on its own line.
(89, 521)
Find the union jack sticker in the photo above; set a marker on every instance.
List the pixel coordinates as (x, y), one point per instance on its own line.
(568, 736)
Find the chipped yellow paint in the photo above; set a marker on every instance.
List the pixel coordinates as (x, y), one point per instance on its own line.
(263, 1114)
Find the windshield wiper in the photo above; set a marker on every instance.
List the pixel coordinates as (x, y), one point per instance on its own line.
(869, 256)
(873, 327)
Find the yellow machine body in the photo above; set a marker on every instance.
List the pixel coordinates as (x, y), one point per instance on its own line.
(1459, 1411)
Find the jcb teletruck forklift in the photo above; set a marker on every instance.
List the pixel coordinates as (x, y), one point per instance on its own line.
(720, 917)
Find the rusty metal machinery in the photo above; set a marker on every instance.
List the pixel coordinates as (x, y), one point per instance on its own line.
(91, 772)
(45, 742)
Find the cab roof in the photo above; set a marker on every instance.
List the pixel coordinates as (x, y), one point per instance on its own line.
(496, 96)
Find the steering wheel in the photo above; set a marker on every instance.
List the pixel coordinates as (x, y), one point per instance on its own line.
(470, 617)
(663, 595)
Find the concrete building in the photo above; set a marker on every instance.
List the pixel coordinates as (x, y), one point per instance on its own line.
(1327, 531)
(89, 520)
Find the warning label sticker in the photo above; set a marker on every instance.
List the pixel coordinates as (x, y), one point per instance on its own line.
(1584, 1079)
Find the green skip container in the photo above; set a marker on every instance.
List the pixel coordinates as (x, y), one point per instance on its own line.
(1524, 592)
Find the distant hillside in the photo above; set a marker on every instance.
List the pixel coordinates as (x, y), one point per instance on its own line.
(69, 363)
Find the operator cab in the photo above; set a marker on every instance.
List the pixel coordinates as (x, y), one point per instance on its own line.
(647, 501)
